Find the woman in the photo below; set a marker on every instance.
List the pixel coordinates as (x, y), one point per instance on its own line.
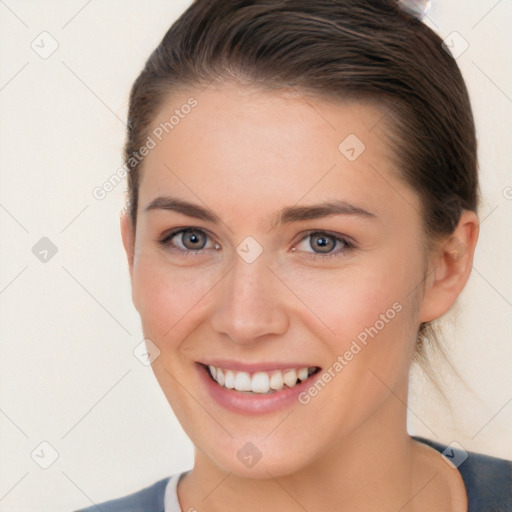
(303, 205)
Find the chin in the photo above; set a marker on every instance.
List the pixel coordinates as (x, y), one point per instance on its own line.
(257, 457)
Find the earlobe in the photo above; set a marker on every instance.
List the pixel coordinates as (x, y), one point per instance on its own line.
(128, 237)
(451, 268)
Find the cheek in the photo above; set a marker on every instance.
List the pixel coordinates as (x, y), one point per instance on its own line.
(352, 299)
(165, 296)
(371, 311)
(373, 316)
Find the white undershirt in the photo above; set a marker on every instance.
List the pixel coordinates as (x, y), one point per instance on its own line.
(171, 503)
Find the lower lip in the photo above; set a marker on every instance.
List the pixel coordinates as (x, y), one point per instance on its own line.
(253, 404)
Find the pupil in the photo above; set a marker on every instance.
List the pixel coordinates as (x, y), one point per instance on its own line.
(193, 240)
(323, 243)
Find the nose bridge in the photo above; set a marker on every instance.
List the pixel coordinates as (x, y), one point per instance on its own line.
(249, 304)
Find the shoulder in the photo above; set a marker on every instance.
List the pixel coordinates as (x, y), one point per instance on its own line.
(149, 499)
(488, 479)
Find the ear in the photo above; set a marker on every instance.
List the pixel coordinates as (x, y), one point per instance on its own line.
(128, 236)
(450, 268)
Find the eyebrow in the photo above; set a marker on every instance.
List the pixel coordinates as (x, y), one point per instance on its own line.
(287, 215)
(184, 207)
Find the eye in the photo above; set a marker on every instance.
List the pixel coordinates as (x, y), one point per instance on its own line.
(187, 240)
(324, 244)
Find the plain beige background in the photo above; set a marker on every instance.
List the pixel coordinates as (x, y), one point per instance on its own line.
(68, 330)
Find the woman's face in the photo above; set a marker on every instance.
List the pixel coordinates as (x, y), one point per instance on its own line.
(304, 250)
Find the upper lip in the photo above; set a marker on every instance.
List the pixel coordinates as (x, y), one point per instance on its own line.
(255, 367)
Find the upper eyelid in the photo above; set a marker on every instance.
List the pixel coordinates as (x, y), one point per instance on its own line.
(337, 236)
(176, 231)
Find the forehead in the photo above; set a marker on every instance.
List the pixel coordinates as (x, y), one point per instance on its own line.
(237, 147)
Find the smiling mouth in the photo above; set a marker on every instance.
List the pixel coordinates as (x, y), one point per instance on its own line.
(262, 382)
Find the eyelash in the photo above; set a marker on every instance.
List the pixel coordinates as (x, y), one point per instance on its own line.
(165, 242)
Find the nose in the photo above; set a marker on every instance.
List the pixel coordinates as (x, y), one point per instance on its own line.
(250, 303)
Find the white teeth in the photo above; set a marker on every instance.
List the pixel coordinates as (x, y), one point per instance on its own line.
(220, 377)
(290, 378)
(243, 381)
(276, 381)
(260, 382)
(229, 379)
(303, 374)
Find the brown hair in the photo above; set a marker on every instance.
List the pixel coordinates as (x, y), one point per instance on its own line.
(362, 50)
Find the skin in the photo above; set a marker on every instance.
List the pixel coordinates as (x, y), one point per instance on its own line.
(246, 154)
